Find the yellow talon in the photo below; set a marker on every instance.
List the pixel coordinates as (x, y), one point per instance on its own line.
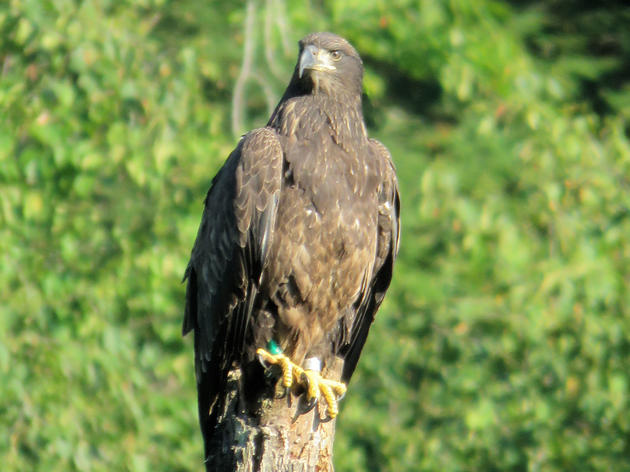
(287, 370)
(314, 383)
(332, 391)
(283, 361)
(331, 401)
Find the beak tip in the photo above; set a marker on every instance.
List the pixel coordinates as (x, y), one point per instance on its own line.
(307, 59)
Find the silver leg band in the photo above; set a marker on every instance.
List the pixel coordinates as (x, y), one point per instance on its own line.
(313, 363)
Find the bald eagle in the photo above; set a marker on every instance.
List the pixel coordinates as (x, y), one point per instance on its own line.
(297, 240)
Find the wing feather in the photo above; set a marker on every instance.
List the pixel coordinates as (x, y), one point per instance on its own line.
(373, 291)
(227, 260)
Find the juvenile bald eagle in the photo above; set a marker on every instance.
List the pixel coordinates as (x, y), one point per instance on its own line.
(298, 237)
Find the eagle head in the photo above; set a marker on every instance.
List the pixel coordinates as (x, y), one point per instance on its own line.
(328, 64)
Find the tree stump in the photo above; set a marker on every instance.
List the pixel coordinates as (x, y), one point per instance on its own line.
(270, 434)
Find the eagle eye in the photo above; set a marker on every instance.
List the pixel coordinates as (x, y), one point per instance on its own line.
(335, 54)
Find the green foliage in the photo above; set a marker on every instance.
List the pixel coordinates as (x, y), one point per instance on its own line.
(503, 343)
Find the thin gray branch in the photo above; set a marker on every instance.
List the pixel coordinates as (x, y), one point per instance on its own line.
(248, 71)
(272, 12)
(246, 67)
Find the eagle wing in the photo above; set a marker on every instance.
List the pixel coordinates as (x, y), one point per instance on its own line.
(227, 261)
(374, 288)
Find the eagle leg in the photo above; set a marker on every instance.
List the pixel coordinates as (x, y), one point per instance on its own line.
(315, 385)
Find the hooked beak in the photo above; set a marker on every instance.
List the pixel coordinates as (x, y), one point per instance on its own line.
(315, 59)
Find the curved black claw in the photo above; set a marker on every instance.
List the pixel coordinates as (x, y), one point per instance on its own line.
(326, 418)
(285, 393)
(305, 408)
(262, 361)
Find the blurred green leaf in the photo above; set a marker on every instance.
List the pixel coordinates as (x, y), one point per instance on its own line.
(502, 344)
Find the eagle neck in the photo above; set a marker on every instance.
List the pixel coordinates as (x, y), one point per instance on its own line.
(306, 116)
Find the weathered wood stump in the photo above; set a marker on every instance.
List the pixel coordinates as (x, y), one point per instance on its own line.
(271, 434)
